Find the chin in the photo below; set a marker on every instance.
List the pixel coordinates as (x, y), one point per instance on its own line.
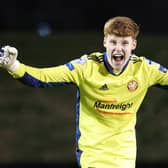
(119, 67)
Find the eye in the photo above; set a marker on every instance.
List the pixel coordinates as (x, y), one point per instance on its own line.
(113, 42)
(125, 42)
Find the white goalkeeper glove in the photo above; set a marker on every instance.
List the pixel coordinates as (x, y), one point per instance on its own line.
(8, 58)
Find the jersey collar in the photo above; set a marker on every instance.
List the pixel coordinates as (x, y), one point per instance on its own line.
(109, 68)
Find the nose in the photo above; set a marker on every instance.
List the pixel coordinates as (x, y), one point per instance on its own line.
(118, 47)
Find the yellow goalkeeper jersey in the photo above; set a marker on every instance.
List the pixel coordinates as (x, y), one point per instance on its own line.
(107, 104)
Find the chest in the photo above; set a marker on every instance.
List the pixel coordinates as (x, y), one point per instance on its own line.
(109, 85)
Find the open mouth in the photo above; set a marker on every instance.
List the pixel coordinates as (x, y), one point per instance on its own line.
(118, 57)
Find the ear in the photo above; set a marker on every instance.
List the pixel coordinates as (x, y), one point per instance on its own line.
(134, 45)
(104, 42)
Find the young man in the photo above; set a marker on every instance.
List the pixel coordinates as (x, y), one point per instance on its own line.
(111, 87)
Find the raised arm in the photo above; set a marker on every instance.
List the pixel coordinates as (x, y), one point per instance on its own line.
(40, 77)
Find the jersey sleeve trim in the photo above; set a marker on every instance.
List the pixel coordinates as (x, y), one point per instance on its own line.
(70, 66)
(33, 82)
(19, 72)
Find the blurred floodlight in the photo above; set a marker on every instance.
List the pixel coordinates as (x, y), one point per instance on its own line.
(44, 29)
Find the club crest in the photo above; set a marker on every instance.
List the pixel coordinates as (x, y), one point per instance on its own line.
(132, 85)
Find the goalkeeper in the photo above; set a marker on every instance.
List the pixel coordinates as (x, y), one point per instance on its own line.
(111, 87)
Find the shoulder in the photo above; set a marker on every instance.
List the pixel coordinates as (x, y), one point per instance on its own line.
(148, 63)
(93, 57)
(85, 60)
(137, 59)
(141, 60)
(96, 57)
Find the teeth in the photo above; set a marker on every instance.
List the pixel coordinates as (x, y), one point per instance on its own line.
(118, 55)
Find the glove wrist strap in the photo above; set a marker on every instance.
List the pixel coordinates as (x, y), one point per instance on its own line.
(12, 68)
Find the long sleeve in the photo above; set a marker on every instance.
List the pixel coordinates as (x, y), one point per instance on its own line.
(71, 72)
(158, 74)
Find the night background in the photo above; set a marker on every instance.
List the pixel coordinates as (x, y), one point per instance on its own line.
(37, 126)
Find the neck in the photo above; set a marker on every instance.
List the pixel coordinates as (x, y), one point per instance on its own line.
(113, 71)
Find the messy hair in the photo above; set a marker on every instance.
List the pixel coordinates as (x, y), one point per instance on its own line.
(121, 26)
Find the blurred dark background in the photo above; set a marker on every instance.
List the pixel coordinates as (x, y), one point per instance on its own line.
(37, 126)
(62, 15)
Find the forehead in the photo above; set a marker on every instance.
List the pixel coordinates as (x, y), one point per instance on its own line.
(118, 38)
